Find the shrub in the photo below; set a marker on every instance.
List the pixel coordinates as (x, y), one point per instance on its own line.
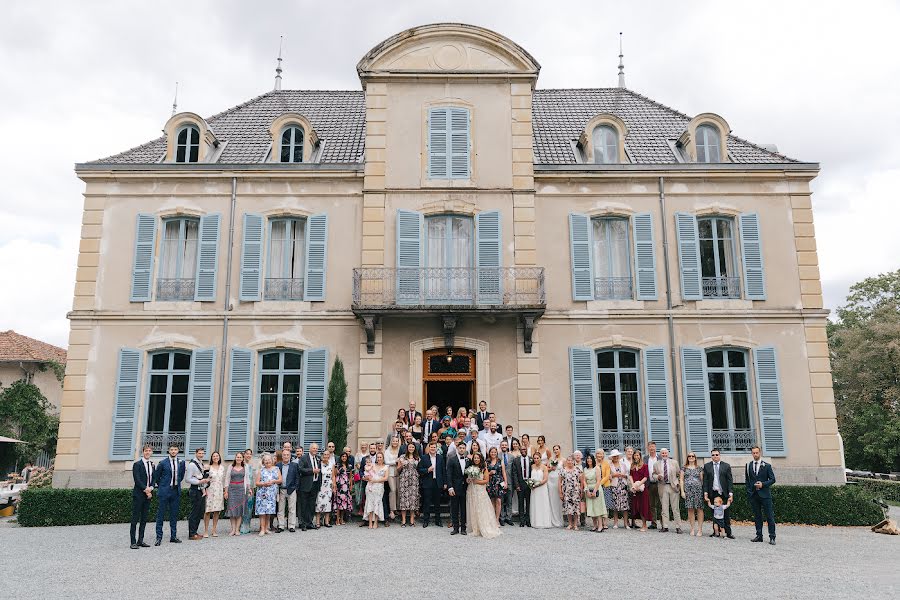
(47, 507)
(881, 488)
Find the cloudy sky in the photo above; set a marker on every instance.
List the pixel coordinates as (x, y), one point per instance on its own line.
(82, 80)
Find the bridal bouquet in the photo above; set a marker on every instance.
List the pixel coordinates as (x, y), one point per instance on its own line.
(533, 483)
(473, 472)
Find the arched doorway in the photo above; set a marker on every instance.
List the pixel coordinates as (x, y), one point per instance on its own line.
(448, 379)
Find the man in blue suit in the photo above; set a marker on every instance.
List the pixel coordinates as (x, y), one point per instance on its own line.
(759, 479)
(167, 477)
(431, 477)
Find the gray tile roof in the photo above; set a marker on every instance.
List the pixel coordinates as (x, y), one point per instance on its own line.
(559, 117)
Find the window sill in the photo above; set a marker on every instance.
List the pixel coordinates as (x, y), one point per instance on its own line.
(604, 305)
(281, 306)
(448, 183)
(172, 305)
(724, 303)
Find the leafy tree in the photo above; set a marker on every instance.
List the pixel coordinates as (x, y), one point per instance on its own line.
(865, 357)
(338, 424)
(25, 414)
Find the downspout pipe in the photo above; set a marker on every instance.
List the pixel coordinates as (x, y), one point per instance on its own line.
(670, 319)
(221, 401)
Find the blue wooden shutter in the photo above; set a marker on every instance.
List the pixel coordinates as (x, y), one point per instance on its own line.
(488, 257)
(689, 256)
(582, 257)
(768, 394)
(200, 399)
(316, 257)
(751, 246)
(142, 267)
(644, 256)
(409, 257)
(656, 382)
(583, 382)
(251, 258)
(240, 388)
(207, 259)
(128, 377)
(312, 405)
(438, 141)
(459, 143)
(696, 400)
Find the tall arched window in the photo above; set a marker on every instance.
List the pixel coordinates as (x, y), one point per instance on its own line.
(606, 145)
(718, 263)
(170, 375)
(729, 399)
(279, 399)
(620, 415)
(292, 144)
(707, 144)
(187, 149)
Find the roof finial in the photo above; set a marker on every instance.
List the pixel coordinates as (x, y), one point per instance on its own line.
(621, 64)
(175, 100)
(278, 68)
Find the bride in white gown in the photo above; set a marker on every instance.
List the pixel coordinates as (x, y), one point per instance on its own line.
(480, 516)
(540, 495)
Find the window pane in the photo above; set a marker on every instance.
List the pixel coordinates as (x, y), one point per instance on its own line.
(182, 361)
(178, 412)
(182, 136)
(707, 258)
(436, 250)
(286, 138)
(180, 384)
(627, 359)
(179, 154)
(716, 381)
(270, 360)
(718, 410)
(738, 382)
(299, 243)
(159, 384)
(269, 384)
(195, 135)
(278, 243)
(159, 361)
(267, 407)
(631, 414)
(628, 382)
(285, 152)
(189, 252)
(605, 360)
(290, 412)
(704, 227)
(608, 416)
(292, 360)
(735, 358)
(741, 410)
(194, 154)
(290, 384)
(618, 248)
(156, 411)
(715, 358)
(601, 248)
(607, 382)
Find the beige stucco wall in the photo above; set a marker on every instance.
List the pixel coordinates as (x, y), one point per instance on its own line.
(45, 380)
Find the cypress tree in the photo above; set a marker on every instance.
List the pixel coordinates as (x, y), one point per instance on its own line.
(338, 425)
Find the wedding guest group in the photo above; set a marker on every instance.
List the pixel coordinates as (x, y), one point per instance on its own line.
(488, 480)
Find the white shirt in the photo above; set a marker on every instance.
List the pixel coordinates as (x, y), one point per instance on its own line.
(490, 440)
(433, 466)
(149, 469)
(716, 485)
(651, 462)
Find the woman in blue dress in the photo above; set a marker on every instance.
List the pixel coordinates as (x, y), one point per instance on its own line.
(267, 481)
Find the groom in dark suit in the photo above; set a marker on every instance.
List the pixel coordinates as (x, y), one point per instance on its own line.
(718, 481)
(431, 478)
(310, 482)
(521, 471)
(456, 488)
(759, 479)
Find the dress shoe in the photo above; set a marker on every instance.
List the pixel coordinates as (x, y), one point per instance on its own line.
(454, 532)
(502, 523)
(438, 524)
(277, 530)
(664, 530)
(712, 535)
(462, 532)
(174, 541)
(329, 526)
(424, 525)
(134, 546)
(291, 530)
(757, 539)
(363, 524)
(196, 537)
(143, 545)
(771, 541)
(677, 530)
(158, 542)
(729, 536)
(652, 526)
(303, 528)
(521, 524)
(386, 524)
(313, 527)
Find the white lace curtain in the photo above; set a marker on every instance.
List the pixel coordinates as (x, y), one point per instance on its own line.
(286, 244)
(611, 256)
(179, 249)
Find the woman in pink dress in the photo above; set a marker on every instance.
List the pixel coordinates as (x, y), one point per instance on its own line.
(640, 499)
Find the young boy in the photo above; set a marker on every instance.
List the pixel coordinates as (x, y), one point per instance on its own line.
(718, 510)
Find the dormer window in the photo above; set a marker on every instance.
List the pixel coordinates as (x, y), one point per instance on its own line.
(187, 149)
(708, 144)
(292, 144)
(606, 145)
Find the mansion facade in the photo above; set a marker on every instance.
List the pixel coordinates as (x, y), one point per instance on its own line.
(599, 268)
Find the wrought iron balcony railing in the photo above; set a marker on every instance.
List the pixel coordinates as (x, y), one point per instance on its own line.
(174, 289)
(613, 288)
(611, 439)
(283, 288)
(507, 287)
(271, 441)
(161, 440)
(721, 287)
(733, 440)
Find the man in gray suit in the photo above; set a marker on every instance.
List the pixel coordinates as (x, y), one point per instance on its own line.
(667, 483)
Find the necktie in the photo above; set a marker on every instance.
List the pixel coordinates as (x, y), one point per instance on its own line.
(755, 467)
(147, 467)
(315, 466)
(666, 471)
(174, 471)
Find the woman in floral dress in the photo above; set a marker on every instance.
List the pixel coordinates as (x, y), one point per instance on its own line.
(618, 473)
(343, 499)
(408, 464)
(323, 499)
(268, 478)
(692, 492)
(215, 494)
(497, 483)
(570, 493)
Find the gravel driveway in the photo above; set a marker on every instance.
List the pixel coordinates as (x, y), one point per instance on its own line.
(348, 562)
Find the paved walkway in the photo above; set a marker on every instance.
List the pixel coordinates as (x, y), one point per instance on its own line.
(343, 562)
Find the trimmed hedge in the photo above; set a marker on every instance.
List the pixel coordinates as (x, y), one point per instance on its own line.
(83, 506)
(811, 505)
(885, 489)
